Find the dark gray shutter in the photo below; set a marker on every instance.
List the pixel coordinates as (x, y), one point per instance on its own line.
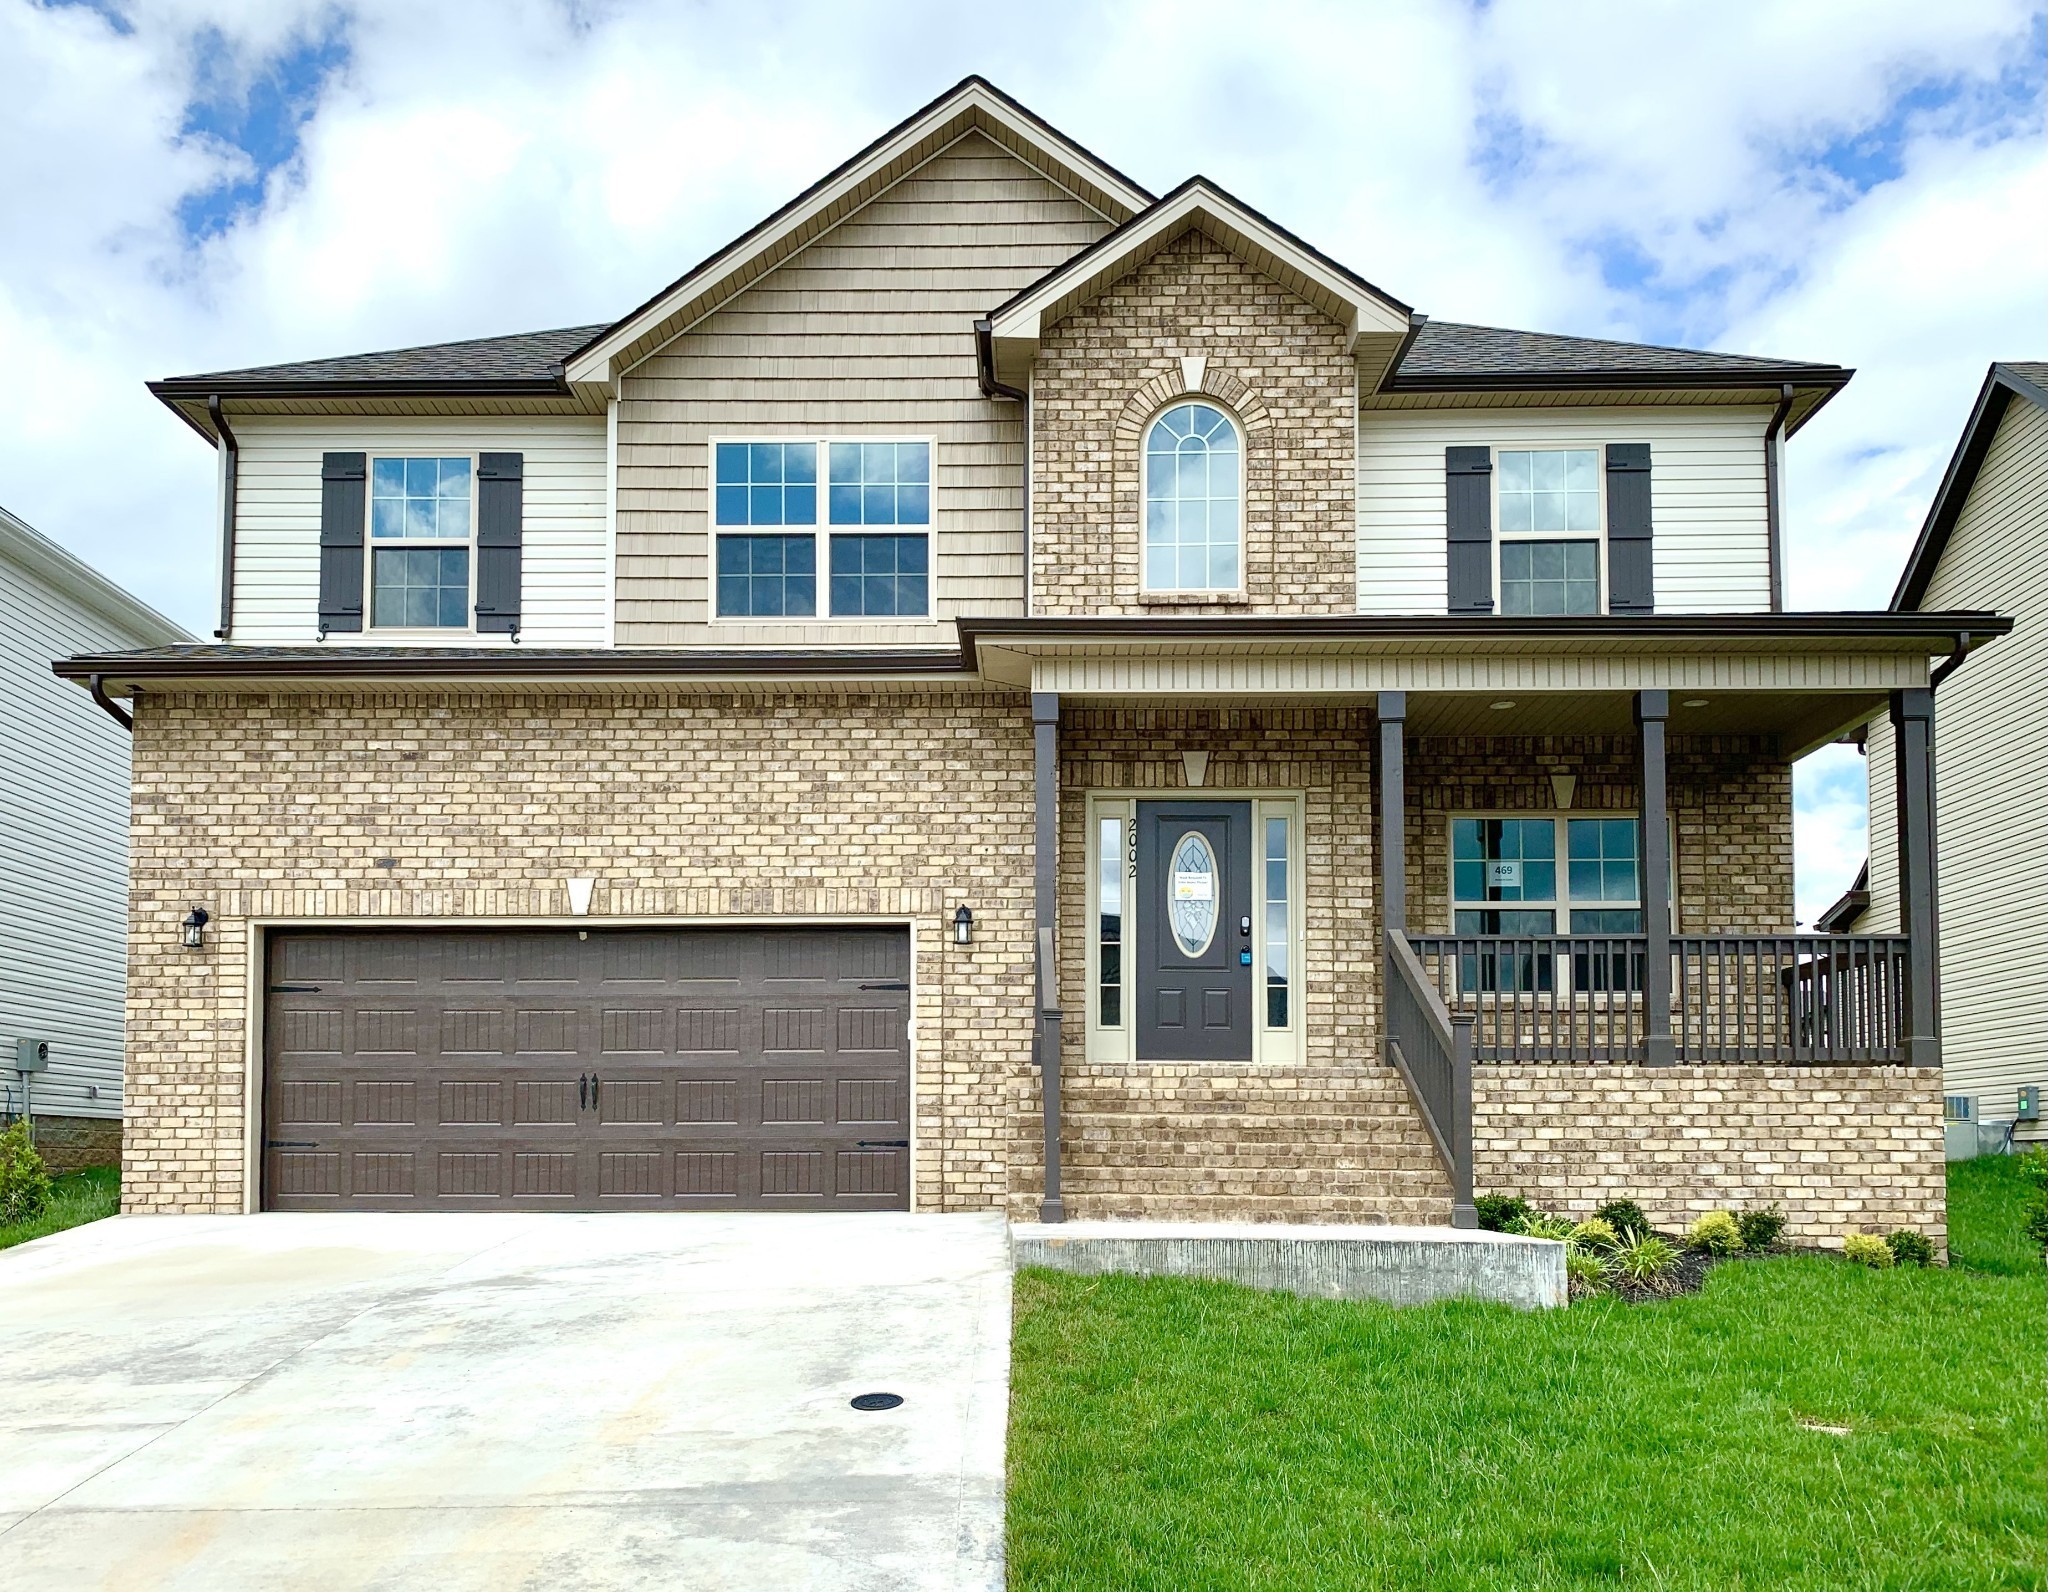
(1631, 584)
(1468, 528)
(344, 503)
(500, 507)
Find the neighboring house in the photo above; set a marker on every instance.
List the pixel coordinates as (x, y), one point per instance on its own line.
(997, 690)
(1985, 544)
(63, 848)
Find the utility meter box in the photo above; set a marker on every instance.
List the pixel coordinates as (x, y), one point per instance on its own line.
(2030, 1103)
(31, 1055)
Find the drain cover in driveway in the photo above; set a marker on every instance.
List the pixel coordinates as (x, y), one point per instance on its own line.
(877, 1401)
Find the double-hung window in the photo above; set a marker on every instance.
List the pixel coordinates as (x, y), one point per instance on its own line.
(422, 525)
(868, 501)
(1550, 530)
(1508, 879)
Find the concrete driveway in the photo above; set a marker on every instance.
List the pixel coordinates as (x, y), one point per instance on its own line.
(450, 1401)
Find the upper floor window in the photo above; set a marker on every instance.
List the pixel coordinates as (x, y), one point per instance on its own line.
(1549, 530)
(421, 526)
(1193, 499)
(877, 524)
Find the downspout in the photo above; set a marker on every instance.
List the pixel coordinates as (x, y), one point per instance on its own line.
(985, 376)
(114, 710)
(232, 458)
(1773, 451)
(1953, 662)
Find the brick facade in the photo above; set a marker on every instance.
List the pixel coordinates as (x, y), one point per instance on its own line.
(282, 808)
(1836, 1147)
(1276, 363)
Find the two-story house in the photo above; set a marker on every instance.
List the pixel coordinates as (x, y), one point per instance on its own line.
(1000, 690)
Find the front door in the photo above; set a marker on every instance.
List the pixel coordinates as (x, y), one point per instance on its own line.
(1194, 931)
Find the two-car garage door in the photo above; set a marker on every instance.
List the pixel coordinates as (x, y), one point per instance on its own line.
(712, 1068)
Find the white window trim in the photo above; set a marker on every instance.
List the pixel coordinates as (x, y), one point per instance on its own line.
(821, 531)
(1270, 1046)
(371, 546)
(1599, 538)
(1560, 906)
(1203, 593)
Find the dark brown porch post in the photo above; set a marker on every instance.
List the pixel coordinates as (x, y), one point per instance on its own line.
(1913, 767)
(1045, 1038)
(1393, 717)
(1652, 709)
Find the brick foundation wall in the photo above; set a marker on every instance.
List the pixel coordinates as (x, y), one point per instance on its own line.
(1273, 361)
(794, 805)
(1836, 1147)
(71, 1144)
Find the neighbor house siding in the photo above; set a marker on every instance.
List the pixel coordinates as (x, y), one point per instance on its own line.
(277, 533)
(63, 851)
(1991, 766)
(1712, 540)
(866, 331)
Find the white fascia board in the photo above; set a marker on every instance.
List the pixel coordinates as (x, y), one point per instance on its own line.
(594, 368)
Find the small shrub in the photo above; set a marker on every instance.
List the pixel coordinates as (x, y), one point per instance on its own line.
(1499, 1212)
(2036, 1225)
(1624, 1216)
(24, 1184)
(1584, 1271)
(2033, 1165)
(1910, 1248)
(1760, 1229)
(1643, 1259)
(1716, 1233)
(1867, 1249)
(1538, 1225)
(1594, 1235)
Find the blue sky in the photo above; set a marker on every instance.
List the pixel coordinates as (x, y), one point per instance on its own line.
(210, 183)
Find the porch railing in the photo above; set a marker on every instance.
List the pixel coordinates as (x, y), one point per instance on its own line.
(1812, 999)
(1432, 1050)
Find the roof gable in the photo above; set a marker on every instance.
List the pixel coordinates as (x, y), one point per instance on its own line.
(2024, 379)
(1373, 321)
(975, 105)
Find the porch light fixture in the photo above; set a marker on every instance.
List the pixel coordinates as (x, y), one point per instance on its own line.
(194, 928)
(1500, 707)
(963, 926)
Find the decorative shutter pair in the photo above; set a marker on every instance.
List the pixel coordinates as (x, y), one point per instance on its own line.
(500, 515)
(1468, 527)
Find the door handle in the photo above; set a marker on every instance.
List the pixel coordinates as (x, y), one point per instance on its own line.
(582, 1091)
(595, 1083)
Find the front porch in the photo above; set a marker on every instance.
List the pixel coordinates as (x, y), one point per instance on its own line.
(1471, 931)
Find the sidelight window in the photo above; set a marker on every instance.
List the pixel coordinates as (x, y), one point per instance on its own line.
(1274, 862)
(1111, 847)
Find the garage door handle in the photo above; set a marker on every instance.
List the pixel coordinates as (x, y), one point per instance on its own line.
(898, 985)
(582, 1091)
(595, 1083)
(881, 1144)
(295, 989)
(291, 1144)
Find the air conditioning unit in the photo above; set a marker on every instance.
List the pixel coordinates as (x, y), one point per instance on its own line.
(1960, 1108)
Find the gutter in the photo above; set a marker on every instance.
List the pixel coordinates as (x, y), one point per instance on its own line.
(1954, 661)
(114, 710)
(1833, 378)
(1416, 321)
(1773, 449)
(232, 663)
(232, 460)
(985, 365)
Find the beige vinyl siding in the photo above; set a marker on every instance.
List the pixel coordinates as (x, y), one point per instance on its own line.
(1882, 915)
(63, 850)
(1991, 777)
(1706, 497)
(564, 543)
(869, 330)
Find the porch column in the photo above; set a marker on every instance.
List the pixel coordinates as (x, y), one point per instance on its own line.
(1045, 1038)
(1913, 764)
(1652, 709)
(1393, 717)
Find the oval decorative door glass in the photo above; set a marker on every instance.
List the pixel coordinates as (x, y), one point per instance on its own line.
(1191, 894)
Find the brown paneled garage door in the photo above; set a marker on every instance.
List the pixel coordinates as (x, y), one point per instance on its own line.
(713, 1069)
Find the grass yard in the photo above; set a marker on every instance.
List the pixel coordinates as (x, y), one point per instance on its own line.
(1184, 1435)
(75, 1199)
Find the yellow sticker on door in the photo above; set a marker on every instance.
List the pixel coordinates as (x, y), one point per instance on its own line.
(1199, 886)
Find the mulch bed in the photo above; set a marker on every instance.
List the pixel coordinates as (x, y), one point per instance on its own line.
(1690, 1274)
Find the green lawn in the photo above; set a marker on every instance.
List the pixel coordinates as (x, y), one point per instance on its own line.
(75, 1199)
(1182, 1435)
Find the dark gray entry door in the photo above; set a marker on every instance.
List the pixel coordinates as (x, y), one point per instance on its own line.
(1194, 941)
(618, 1069)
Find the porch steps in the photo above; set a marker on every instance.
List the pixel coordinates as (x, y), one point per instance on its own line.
(1397, 1265)
(1254, 1144)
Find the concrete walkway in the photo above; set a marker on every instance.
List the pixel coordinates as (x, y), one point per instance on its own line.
(459, 1402)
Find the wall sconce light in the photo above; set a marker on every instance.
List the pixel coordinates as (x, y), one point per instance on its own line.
(195, 928)
(963, 927)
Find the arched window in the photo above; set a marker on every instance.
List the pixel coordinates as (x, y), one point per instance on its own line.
(1192, 496)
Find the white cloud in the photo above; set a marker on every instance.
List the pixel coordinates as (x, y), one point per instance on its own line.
(484, 167)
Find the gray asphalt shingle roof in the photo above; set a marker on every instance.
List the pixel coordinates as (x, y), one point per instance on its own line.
(525, 356)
